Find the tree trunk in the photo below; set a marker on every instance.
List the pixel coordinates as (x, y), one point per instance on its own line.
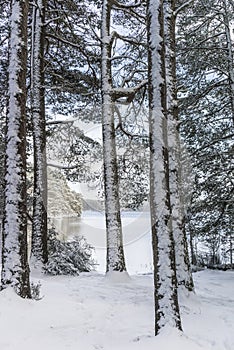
(165, 282)
(39, 226)
(191, 243)
(15, 268)
(230, 55)
(184, 275)
(115, 253)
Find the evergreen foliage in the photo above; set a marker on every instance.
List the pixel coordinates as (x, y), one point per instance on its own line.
(72, 57)
(68, 257)
(62, 201)
(205, 74)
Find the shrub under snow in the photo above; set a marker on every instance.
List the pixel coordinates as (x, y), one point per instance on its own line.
(68, 257)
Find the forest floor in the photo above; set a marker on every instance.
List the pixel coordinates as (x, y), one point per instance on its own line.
(94, 312)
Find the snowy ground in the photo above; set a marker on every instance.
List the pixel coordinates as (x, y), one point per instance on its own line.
(92, 312)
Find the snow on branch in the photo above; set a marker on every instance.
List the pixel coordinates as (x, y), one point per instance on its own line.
(180, 8)
(62, 167)
(125, 6)
(129, 93)
(93, 31)
(121, 127)
(61, 122)
(213, 142)
(130, 40)
(70, 43)
(129, 77)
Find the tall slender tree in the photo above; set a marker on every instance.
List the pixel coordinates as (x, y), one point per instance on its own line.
(115, 253)
(165, 281)
(39, 225)
(120, 83)
(227, 19)
(184, 275)
(4, 34)
(15, 268)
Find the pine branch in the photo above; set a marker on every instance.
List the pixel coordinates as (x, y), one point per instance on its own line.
(230, 136)
(125, 6)
(182, 7)
(129, 93)
(60, 122)
(127, 39)
(62, 167)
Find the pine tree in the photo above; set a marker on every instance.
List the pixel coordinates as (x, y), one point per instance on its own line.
(120, 85)
(115, 253)
(206, 110)
(15, 269)
(184, 275)
(165, 281)
(4, 35)
(2, 173)
(72, 55)
(39, 225)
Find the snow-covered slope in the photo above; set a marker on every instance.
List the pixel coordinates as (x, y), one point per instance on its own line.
(93, 312)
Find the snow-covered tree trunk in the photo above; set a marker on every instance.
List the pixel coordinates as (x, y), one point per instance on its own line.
(39, 226)
(230, 55)
(15, 269)
(115, 253)
(184, 275)
(165, 281)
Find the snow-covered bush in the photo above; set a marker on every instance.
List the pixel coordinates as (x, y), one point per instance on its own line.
(68, 257)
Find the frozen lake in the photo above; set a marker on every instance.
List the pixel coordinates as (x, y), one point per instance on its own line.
(136, 236)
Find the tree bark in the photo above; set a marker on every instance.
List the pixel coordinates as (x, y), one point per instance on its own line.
(115, 252)
(165, 281)
(184, 275)
(230, 55)
(39, 226)
(15, 268)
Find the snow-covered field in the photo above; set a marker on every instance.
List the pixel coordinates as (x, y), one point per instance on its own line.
(93, 312)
